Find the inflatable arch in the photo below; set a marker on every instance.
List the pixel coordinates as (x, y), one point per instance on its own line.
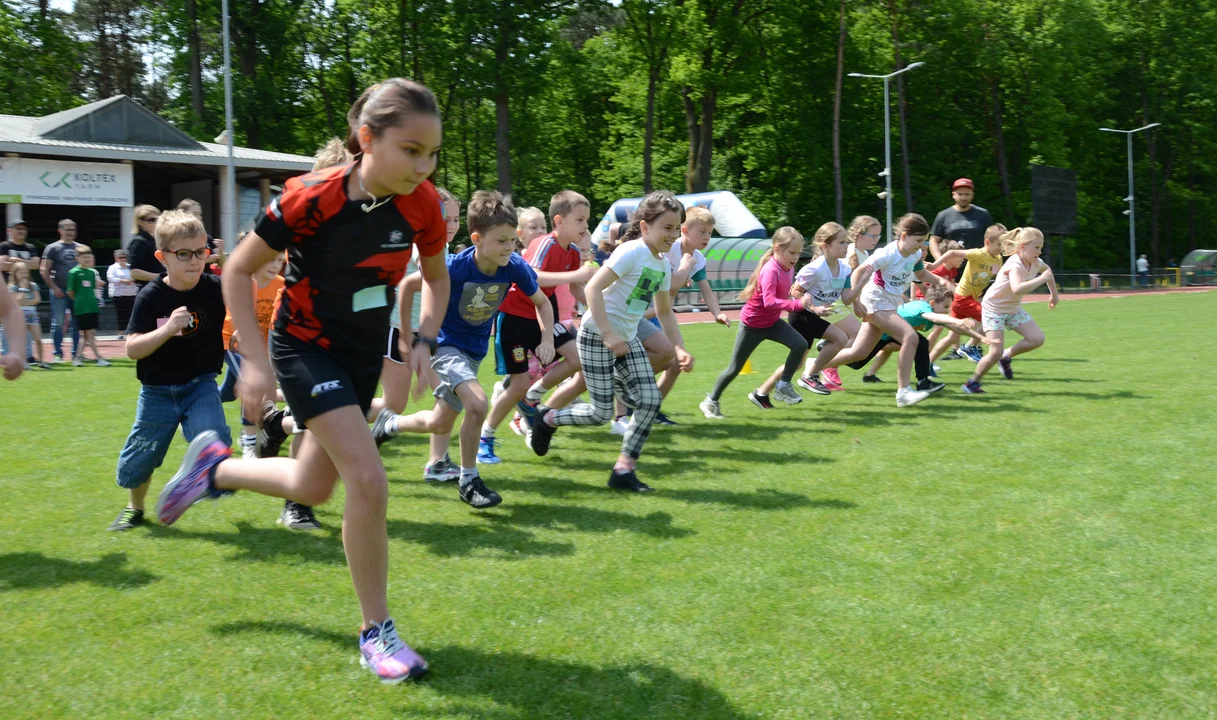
(731, 218)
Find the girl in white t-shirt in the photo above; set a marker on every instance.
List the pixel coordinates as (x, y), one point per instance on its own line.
(864, 232)
(1002, 307)
(609, 350)
(886, 275)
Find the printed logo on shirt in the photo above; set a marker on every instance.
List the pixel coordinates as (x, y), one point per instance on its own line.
(479, 301)
(325, 387)
(396, 239)
(648, 284)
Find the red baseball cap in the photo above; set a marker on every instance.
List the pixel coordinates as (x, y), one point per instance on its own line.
(962, 183)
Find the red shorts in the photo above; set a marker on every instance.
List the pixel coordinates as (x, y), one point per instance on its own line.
(965, 307)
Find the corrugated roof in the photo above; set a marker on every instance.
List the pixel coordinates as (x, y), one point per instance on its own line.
(20, 134)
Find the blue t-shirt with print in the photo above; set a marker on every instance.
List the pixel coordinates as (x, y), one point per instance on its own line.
(475, 298)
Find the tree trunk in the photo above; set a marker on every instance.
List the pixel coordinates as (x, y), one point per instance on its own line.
(502, 140)
(903, 106)
(465, 148)
(326, 101)
(705, 154)
(1191, 201)
(1003, 173)
(196, 61)
(648, 134)
(44, 8)
(1155, 192)
(694, 133)
(838, 188)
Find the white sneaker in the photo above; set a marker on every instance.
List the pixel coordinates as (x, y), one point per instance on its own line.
(620, 425)
(518, 427)
(710, 408)
(102, 362)
(249, 449)
(77, 362)
(908, 396)
(498, 390)
(787, 394)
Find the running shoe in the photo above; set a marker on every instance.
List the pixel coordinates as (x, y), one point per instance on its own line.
(820, 345)
(527, 409)
(787, 394)
(384, 653)
(486, 456)
(661, 419)
(102, 362)
(270, 434)
(77, 362)
(627, 480)
(811, 383)
(249, 449)
(518, 426)
(928, 385)
(710, 408)
(952, 354)
(443, 470)
(1006, 370)
(193, 480)
(498, 390)
(127, 519)
(972, 387)
(297, 517)
(380, 432)
(832, 379)
(761, 401)
(541, 433)
(477, 495)
(972, 352)
(620, 425)
(870, 378)
(908, 396)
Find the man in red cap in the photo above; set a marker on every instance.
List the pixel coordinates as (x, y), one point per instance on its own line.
(963, 221)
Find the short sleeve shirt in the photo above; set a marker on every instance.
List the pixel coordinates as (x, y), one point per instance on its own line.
(818, 279)
(475, 298)
(639, 276)
(344, 263)
(24, 251)
(197, 350)
(545, 254)
(967, 227)
(893, 271)
(82, 282)
(141, 255)
(676, 254)
(264, 310)
(978, 274)
(63, 258)
(914, 314)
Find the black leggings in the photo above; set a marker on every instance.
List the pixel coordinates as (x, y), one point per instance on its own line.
(746, 343)
(123, 305)
(921, 361)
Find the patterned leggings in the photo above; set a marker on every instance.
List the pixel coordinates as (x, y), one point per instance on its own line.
(631, 376)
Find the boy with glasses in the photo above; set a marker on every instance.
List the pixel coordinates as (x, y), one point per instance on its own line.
(176, 339)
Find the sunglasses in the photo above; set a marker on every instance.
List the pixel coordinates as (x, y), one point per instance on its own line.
(185, 255)
(151, 219)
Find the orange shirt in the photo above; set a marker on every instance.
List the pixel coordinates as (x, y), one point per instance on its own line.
(265, 300)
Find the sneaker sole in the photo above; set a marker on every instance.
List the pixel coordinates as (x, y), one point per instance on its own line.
(188, 460)
(826, 391)
(487, 506)
(492, 460)
(414, 673)
(759, 404)
(910, 403)
(442, 478)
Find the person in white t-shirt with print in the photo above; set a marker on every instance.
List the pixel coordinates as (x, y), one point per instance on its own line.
(609, 349)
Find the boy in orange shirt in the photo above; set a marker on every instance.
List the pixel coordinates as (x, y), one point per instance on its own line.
(269, 283)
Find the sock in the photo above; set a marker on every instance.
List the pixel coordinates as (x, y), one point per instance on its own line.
(467, 475)
(248, 439)
(391, 425)
(487, 431)
(535, 393)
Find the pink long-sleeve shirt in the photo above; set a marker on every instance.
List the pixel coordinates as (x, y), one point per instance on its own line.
(772, 296)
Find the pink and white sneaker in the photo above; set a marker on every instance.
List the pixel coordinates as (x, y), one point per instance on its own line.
(192, 482)
(517, 425)
(831, 379)
(384, 653)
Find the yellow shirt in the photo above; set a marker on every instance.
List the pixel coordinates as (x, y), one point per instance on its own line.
(982, 268)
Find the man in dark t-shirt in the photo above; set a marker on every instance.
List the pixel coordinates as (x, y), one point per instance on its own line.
(18, 249)
(963, 221)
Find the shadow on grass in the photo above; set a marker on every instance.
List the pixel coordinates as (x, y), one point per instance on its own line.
(457, 540)
(32, 570)
(268, 544)
(1114, 395)
(570, 518)
(1039, 359)
(526, 686)
(761, 499)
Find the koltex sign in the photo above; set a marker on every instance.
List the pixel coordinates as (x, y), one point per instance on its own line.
(53, 182)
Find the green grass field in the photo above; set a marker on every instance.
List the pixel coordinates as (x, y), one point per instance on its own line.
(1044, 551)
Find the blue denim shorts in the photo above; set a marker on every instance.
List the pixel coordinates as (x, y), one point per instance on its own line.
(195, 406)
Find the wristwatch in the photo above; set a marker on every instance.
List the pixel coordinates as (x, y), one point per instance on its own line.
(423, 339)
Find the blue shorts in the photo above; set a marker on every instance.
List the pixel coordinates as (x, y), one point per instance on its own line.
(195, 406)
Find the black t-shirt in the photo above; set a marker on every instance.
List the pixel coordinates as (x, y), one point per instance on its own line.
(141, 255)
(343, 263)
(967, 227)
(25, 251)
(200, 347)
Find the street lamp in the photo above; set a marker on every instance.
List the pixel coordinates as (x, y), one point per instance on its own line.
(887, 136)
(1131, 212)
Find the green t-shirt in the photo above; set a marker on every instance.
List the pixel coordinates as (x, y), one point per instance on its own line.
(83, 282)
(914, 314)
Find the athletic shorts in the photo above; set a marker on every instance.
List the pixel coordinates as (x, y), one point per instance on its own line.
(876, 300)
(314, 381)
(30, 314)
(648, 327)
(454, 368)
(87, 321)
(515, 337)
(965, 308)
(811, 326)
(996, 321)
(392, 351)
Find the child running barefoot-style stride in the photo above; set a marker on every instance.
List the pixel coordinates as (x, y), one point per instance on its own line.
(609, 349)
(348, 231)
(766, 295)
(480, 278)
(1002, 308)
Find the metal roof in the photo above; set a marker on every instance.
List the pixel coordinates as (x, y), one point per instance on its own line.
(98, 131)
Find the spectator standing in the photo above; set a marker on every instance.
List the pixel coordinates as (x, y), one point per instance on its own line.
(1143, 271)
(20, 253)
(57, 261)
(963, 222)
(141, 251)
(122, 290)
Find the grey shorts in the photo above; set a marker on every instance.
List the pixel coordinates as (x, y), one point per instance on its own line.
(454, 368)
(648, 327)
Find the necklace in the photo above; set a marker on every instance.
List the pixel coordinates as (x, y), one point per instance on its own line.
(367, 208)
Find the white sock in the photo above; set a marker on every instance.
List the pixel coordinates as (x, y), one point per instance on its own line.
(535, 393)
(467, 475)
(487, 431)
(248, 439)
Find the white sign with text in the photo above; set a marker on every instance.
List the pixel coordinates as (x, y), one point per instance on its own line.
(55, 182)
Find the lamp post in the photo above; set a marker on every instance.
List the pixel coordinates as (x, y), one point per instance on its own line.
(1131, 212)
(230, 181)
(887, 135)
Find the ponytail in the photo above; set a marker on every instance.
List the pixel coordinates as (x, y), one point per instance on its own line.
(649, 210)
(384, 104)
(783, 237)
